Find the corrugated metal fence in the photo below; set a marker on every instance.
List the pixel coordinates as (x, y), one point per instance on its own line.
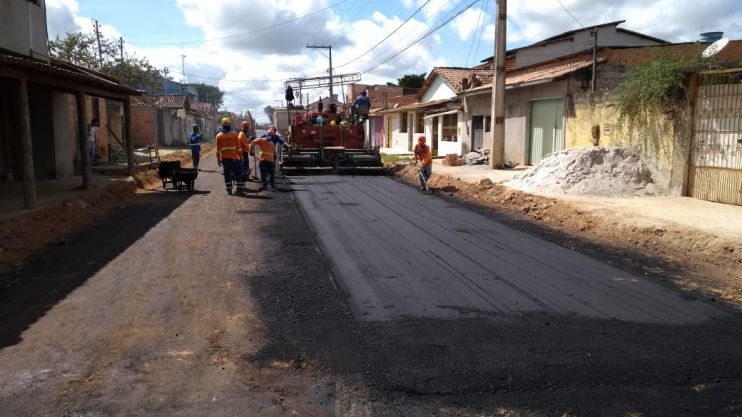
(716, 159)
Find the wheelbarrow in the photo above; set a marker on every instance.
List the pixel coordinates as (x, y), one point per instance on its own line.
(185, 177)
(166, 172)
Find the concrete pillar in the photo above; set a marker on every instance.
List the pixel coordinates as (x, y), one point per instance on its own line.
(29, 178)
(63, 135)
(82, 140)
(127, 138)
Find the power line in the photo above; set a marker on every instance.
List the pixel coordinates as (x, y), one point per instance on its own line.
(473, 38)
(387, 36)
(428, 33)
(481, 34)
(569, 13)
(263, 29)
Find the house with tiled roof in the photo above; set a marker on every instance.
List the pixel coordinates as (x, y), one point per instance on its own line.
(168, 119)
(435, 112)
(552, 105)
(46, 107)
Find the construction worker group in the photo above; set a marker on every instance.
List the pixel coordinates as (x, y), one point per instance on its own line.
(233, 153)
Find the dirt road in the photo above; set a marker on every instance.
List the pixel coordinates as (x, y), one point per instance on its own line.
(208, 304)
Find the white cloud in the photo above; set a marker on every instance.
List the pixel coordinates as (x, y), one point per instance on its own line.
(467, 23)
(60, 17)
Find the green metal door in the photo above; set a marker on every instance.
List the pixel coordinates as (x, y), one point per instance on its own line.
(547, 128)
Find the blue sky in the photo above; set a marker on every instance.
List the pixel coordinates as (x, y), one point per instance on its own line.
(250, 68)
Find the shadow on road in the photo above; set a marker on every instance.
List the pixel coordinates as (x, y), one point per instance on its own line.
(48, 276)
(534, 365)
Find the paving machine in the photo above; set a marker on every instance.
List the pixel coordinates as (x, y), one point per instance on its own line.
(338, 148)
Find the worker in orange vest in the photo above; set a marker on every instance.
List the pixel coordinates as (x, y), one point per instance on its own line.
(424, 159)
(245, 145)
(267, 159)
(229, 156)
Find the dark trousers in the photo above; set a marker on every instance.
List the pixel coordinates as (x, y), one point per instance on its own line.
(266, 174)
(233, 172)
(246, 164)
(196, 157)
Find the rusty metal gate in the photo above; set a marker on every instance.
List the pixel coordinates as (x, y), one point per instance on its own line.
(716, 151)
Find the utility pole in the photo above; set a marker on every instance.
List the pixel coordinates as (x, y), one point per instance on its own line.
(594, 34)
(97, 36)
(498, 88)
(328, 47)
(121, 64)
(183, 80)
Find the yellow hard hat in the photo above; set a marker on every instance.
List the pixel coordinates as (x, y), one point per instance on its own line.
(332, 123)
(226, 121)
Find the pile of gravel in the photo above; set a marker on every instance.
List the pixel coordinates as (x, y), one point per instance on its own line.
(599, 171)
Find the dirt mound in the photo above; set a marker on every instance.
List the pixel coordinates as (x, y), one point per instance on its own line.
(595, 171)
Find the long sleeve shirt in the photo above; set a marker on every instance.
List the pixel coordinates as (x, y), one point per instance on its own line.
(267, 149)
(228, 146)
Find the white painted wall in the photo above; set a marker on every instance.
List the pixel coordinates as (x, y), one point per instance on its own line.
(438, 90)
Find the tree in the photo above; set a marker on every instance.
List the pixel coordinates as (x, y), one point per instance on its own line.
(269, 111)
(82, 49)
(209, 93)
(411, 80)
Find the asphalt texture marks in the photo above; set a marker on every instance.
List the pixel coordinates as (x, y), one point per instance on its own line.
(403, 254)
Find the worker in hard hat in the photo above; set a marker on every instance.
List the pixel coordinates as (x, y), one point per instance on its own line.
(229, 156)
(245, 146)
(195, 141)
(278, 143)
(424, 160)
(267, 155)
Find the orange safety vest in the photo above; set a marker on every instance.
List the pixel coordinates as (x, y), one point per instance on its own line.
(228, 146)
(422, 152)
(267, 149)
(244, 142)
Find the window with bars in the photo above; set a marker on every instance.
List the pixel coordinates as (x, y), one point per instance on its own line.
(419, 123)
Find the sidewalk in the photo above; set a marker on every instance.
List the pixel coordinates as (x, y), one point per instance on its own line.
(722, 220)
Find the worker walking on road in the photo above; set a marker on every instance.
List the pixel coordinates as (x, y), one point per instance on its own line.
(229, 155)
(195, 141)
(266, 164)
(245, 146)
(424, 159)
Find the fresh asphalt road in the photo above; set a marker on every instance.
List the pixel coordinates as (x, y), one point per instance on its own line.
(401, 253)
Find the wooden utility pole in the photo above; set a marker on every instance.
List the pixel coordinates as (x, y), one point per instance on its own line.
(97, 37)
(121, 64)
(82, 140)
(497, 157)
(127, 138)
(29, 177)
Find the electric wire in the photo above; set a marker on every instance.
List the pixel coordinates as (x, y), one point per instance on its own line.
(570, 13)
(425, 35)
(252, 32)
(387, 36)
(474, 36)
(481, 33)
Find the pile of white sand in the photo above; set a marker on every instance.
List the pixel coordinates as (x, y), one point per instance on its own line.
(595, 171)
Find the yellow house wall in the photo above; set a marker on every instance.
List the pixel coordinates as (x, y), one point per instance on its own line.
(653, 140)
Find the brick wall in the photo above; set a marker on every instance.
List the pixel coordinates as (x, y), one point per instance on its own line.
(143, 128)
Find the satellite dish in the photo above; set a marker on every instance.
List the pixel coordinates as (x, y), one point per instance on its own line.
(715, 48)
